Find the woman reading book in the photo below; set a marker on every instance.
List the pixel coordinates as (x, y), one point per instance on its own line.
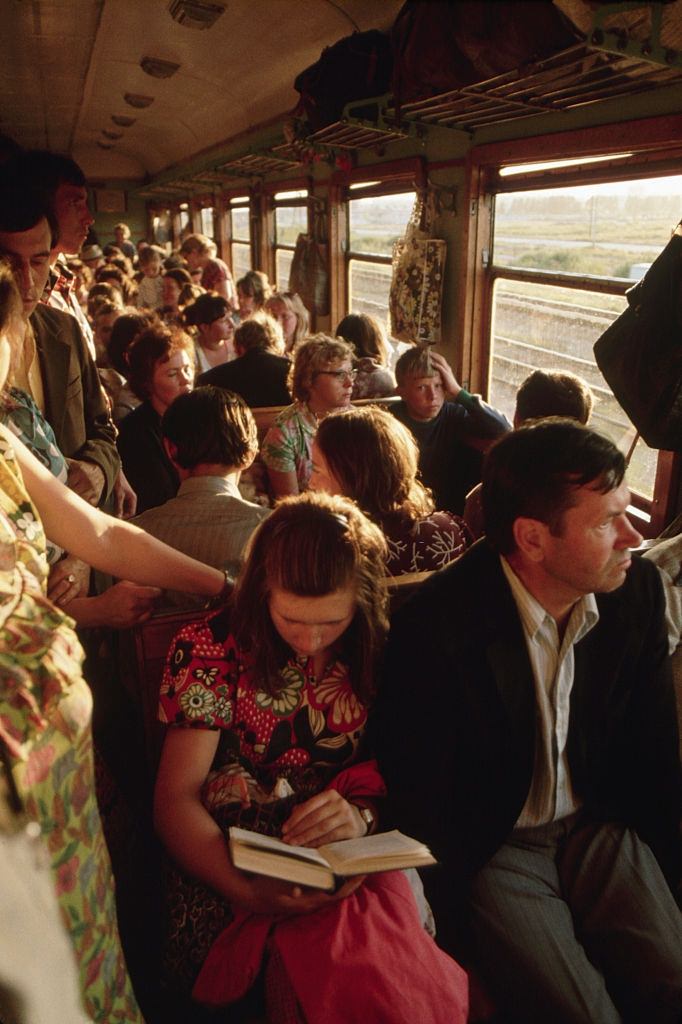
(266, 703)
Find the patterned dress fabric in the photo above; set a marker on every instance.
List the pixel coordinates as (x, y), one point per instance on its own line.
(287, 446)
(45, 711)
(305, 734)
(429, 544)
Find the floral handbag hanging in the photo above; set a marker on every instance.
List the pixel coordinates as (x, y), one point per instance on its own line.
(417, 281)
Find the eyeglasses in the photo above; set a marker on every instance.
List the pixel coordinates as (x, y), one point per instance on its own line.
(339, 374)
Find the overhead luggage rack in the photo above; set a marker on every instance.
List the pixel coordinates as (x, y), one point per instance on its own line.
(256, 164)
(355, 133)
(582, 74)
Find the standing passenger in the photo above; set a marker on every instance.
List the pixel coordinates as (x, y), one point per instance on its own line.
(526, 730)
(200, 253)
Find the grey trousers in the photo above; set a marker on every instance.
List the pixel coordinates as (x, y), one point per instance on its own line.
(575, 924)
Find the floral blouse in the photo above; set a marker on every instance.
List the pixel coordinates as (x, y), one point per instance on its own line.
(287, 446)
(45, 711)
(309, 730)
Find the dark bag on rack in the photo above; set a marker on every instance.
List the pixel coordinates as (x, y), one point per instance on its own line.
(640, 354)
(355, 68)
(440, 46)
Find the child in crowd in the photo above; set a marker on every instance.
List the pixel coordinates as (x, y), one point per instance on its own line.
(542, 393)
(452, 435)
(150, 291)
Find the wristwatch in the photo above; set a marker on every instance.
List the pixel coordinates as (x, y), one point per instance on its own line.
(369, 818)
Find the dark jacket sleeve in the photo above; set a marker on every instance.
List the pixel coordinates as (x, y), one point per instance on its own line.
(481, 419)
(100, 443)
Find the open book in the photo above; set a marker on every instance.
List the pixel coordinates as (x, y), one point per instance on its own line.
(321, 868)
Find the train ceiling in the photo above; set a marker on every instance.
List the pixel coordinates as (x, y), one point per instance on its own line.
(72, 80)
(131, 88)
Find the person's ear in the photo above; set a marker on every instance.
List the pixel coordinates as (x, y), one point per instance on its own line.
(530, 537)
(171, 450)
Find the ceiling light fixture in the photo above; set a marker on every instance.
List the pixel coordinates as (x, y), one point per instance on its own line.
(137, 100)
(195, 13)
(121, 121)
(158, 68)
(111, 135)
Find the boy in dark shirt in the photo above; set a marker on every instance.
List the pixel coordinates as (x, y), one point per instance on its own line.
(451, 435)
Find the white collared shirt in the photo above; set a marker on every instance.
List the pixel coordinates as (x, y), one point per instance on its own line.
(551, 795)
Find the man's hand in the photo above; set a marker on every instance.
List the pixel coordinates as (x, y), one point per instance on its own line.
(125, 604)
(450, 382)
(125, 499)
(86, 480)
(69, 578)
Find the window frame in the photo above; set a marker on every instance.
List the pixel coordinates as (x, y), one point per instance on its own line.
(272, 189)
(655, 150)
(228, 237)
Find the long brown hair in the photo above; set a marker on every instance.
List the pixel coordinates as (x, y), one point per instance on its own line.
(375, 460)
(313, 545)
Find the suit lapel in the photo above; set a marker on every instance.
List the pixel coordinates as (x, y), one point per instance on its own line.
(54, 353)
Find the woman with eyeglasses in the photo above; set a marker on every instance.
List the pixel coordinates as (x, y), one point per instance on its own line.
(321, 381)
(211, 318)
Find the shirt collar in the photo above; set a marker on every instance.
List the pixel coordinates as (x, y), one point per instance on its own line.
(584, 614)
(209, 485)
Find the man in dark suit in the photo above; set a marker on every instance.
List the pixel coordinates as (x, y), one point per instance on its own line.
(258, 374)
(53, 364)
(526, 730)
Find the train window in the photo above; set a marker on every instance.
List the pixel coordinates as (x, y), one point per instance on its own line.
(291, 220)
(162, 227)
(184, 221)
(240, 234)
(563, 258)
(208, 221)
(375, 223)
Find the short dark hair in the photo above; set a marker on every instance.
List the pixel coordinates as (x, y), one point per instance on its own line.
(312, 545)
(156, 344)
(124, 332)
(211, 425)
(205, 309)
(551, 393)
(21, 208)
(180, 276)
(45, 171)
(535, 471)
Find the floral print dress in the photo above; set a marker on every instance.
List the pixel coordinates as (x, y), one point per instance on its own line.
(302, 738)
(45, 711)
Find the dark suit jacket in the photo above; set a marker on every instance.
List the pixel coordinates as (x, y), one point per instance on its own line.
(149, 471)
(259, 377)
(75, 406)
(454, 723)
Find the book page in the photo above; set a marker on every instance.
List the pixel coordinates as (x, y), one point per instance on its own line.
(384, 846)
(258, 842)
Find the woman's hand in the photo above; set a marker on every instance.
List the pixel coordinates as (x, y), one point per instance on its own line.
(69, 578)
(271, 896)
(326, 818)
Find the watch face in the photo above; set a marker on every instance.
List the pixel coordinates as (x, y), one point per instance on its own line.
(367, 816)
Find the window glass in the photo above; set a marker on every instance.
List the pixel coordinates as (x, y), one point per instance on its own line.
(208, 221)
(376, 222)
(283, 261)
(369, 285)
(613, 229)
(240, 227)
(540, 326)
(184, 218)
(290, 222)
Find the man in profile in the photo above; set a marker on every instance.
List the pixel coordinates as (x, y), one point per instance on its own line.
(526, 730)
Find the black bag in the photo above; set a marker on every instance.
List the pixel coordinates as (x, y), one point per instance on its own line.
(640, 354)
(356, 68)
(439, 46)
